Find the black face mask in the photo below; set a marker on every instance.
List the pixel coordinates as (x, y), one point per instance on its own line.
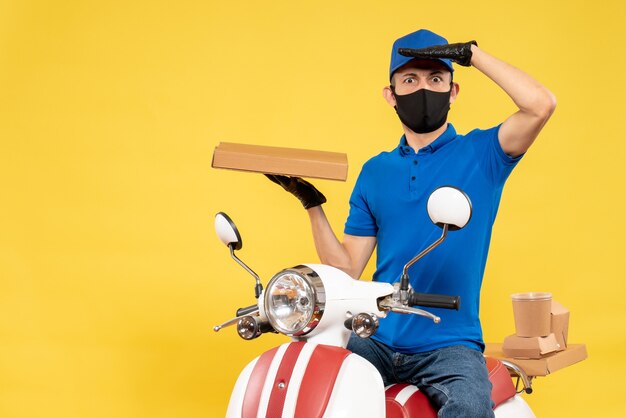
(423, 110)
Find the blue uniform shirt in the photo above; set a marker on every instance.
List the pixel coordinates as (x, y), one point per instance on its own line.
(389, 202)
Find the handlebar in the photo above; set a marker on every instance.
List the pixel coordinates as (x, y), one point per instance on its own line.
(434, 301)
(247, 310)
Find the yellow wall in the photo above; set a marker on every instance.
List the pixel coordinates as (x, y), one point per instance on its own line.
(111, 276)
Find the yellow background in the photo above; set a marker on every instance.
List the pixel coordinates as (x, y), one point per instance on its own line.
(111, 276)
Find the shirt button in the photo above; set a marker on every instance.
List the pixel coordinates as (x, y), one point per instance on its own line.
(414, 162)
(413, 178)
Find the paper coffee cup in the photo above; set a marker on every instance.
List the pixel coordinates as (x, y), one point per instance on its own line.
(531, 311)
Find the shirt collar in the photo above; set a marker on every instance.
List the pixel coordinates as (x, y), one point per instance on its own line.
(448, 135)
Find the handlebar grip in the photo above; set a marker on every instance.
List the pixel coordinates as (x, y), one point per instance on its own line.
(247, 310)
(430, 300)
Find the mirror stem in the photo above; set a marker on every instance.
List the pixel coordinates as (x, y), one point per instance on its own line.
(258, 288)
(404, 281)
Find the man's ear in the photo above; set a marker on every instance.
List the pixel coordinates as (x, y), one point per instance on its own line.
(388, 95)
(454, 91)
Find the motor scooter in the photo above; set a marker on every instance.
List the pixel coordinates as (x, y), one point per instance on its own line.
(318, 307)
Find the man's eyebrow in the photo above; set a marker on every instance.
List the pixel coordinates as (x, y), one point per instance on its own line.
(433, 72)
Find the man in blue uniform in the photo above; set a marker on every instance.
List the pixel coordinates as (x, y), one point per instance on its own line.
(388, 207)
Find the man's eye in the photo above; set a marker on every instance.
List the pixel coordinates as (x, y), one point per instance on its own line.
(437, 79)
(409, 80)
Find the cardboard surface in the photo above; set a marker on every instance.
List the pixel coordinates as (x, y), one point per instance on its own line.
(279, 160)
(559, 323)
(546, 365)
(529, 347)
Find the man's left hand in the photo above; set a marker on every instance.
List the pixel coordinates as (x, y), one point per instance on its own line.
(461, 53)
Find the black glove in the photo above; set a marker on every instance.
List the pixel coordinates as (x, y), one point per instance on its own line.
(460, 53)
(306, 193)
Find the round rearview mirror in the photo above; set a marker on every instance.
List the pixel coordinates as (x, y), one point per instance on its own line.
(227, 231)
(451, 206)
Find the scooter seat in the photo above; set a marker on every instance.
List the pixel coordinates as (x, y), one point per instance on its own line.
(407, 401)
(503, 388)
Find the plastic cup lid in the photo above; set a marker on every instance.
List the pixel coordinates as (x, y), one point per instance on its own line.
(529, 296)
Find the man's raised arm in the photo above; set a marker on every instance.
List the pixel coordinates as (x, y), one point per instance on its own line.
(534, 101)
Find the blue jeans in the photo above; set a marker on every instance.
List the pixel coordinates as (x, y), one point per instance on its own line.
(454, 378)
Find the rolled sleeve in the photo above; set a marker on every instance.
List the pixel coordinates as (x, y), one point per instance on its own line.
(495, 162)
(361, 221)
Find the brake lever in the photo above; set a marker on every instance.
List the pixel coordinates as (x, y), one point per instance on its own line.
(409, 310)
(233, 321)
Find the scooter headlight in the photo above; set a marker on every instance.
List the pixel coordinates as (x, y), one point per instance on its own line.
(294, 301)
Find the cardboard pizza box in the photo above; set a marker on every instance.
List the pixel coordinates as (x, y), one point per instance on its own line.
(280, 160)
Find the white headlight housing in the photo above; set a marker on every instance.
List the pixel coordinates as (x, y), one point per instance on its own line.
(294, 301)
